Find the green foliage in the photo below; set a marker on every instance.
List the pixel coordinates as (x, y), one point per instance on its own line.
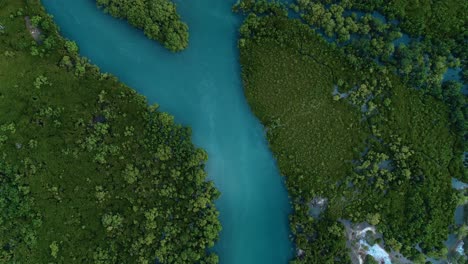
(370, 260)
(350, 132)
(40, 81)
(437, 19)
(112, 223)
(19, 219)
(158, 19)
(71, 47)
(89, 173)
(373, 219)
(36, 21)
(422, 62)
(54, 249)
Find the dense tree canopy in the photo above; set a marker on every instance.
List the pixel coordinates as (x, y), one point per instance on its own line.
(345, 124)
(89, 173)
(158, 19)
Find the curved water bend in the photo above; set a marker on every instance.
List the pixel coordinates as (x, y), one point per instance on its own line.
(201, 87)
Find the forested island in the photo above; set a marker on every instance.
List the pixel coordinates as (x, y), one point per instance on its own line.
(364, 130)
(89, 172)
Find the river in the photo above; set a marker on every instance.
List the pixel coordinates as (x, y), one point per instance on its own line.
(202, 88)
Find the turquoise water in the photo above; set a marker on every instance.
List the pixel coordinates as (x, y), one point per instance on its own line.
(201, 87)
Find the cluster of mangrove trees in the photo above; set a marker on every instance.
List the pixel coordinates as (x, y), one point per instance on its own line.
(157, 18)
(89, 172)
(349, 123)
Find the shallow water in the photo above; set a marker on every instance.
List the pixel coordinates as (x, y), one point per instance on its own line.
(201, 87)
(377, 252)
(458, 185)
